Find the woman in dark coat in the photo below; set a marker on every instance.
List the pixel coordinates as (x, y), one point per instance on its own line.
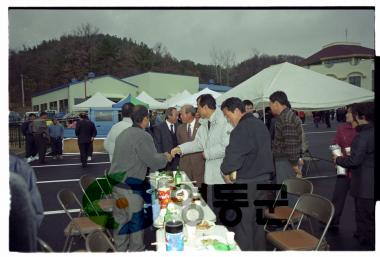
(361, 162)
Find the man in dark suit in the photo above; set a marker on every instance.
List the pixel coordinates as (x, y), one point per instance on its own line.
(86, 132)
(193, 164)
(165, 136)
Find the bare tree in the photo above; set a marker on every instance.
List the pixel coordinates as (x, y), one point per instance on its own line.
(215, 60)
(228, 61)
(86, 34)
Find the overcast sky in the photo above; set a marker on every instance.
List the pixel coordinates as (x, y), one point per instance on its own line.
(190, 34)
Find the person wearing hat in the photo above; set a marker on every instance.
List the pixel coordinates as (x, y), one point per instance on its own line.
(86, 132)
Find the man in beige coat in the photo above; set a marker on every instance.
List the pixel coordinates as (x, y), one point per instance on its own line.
(193, 164)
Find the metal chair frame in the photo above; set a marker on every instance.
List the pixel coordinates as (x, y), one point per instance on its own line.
(294, 186)
(97, 241)
(314, 206)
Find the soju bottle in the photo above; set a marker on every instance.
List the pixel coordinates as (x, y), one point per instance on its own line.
(178, 177)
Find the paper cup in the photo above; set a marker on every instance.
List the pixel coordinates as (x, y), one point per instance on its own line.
(347, 150)
(340, 171)
(230, 238)
(190, 231)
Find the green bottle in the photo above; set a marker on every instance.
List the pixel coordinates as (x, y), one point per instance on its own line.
(178, 177)
(168, 215)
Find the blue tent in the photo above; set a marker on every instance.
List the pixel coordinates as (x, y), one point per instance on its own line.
(129, 99)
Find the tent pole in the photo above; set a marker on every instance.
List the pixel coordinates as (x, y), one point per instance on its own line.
(263, 112)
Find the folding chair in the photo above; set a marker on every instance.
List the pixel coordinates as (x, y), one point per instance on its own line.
(97, 241)
(108, 183)
(309, 160)
(293, 186)
(310, 205)
(87, 181)
(79, 226)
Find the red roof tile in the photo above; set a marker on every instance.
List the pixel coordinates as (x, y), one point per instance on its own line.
(338, 51)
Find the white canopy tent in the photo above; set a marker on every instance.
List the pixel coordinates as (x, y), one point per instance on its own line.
(97, 100)
(171, 101)
(306, 90)
(193, 98)
(153, 103)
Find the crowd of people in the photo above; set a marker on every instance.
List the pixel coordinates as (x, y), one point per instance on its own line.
(227, 145)
(216, 146)
(39, 135)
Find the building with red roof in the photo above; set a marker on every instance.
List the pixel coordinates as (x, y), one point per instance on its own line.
(346, 61)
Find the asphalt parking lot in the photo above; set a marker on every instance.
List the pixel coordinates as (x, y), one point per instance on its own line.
(60, 174)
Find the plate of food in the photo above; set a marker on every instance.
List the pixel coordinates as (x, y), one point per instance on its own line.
(180, 195)
(209, 241)
(205, 224)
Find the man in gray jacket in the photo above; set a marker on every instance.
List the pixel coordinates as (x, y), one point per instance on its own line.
(134, 153)
(212, 138)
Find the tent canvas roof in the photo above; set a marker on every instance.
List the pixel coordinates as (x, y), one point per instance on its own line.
(193, 98)
(96, 100)
(171, 101)
(153, 103)
(129, 99)
(306, 89)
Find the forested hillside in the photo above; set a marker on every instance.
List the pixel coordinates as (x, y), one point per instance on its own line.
(56, 62)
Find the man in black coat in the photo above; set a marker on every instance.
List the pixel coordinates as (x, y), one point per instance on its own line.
(165, 136)
(248, 161)
(30, 144)
(86, 132)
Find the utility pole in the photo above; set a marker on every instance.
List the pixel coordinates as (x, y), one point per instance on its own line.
(85, 88)
(346, 35)
(22, 91)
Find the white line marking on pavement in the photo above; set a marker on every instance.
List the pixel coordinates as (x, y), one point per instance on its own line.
(69, 164)
(57, 181)
(317, 177)
(60, 211)
(321, 132)
(63, 180)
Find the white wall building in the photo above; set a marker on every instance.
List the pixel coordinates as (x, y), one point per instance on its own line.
(64, 97)
(345, 61)
(163, 85)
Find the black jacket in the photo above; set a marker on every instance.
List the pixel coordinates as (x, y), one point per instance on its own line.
(25, 128)
(249, 151)
(85, 130)
(165, 141)
(361, 161)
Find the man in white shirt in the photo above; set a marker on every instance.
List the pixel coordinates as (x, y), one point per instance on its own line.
(126, 122)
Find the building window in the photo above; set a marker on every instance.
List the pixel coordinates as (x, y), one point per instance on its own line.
(355, 80)
(53, 105)
(36, 108)
(63, 105)
(79, 100)
(43, 107)
(355, 61)
(330, 63)
(103, 116)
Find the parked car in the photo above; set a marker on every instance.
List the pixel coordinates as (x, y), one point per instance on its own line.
(14, 117)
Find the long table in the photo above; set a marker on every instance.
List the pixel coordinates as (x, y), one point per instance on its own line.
(217, 232)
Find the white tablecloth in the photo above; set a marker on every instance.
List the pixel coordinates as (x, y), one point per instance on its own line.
(195, 243)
